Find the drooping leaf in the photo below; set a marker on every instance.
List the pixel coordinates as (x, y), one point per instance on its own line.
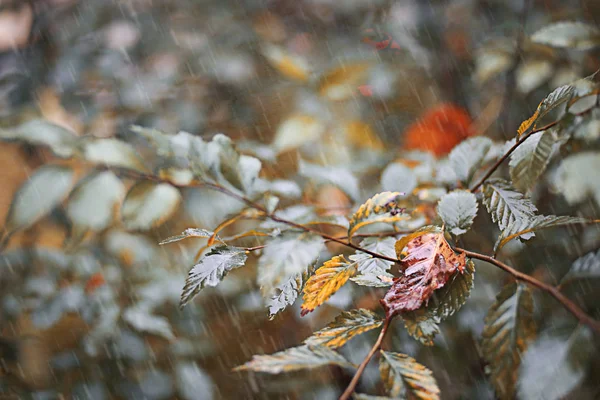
(507, 206)
(188, 233)
(458, 209)
(297, 130)
(585, 267)
(211, 269)
(374, 280)
(554, 365)
(113, 153)
(557, 97)
(345, 326)
(404, 377)
(149, 204)
(326, 280)
(61, 141)
(44, 190)
(530, 159)
(574, 35)
(293, 359)
(509, 327)
(337, 176)
(468, 155)
(288, 293)
(383, 207)
(141, 320)
(342, 82)
(576, 177)
(521, 228)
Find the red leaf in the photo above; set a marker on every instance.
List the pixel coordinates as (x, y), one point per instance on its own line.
(94, 282)
(429, 263)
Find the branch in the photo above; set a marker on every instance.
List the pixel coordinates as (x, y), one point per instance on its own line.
(352, 385)
(564, 300)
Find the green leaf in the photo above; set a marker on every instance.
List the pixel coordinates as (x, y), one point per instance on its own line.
(367, 264)
(458, 209)
(398, 177)
(140, 319)
(574, 35)
(345, 326)
(557, 97)
(466, 157)
(507, 206)
(113, 153)
(45, 189)
(211, 269)
(149, 204)
(576, 177)
(374, 280)
(294, 359)
(41, 132)
(188, 233)
(554, 365)
(337, 176)
(509, 327)
(383, 207)
(404, 377)
(288, 293)
(521, 228)
(239, 170)
(586, 267)
(530, 159)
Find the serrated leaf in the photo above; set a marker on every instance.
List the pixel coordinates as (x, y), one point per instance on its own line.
(507, 206)
(398, 177)
(429, 263)
(509, 327)
(557, 97)
(521, 228)
(142, 321)
(296, 131)
(326, 280)
(41, 132)
(341, 83)
(211, 269)
(367, 264)
(554, 365)
(188, 233)
(337, 176)
(113, 153)
(576, 177)
(530, 159)
(294, 359)
(401, 243)
(149, 204)
(585, 267)
(345, 326)
(574, 35)
(45, 189)
(288, 293)
(374, 280)
(383, 207)
(458, 209)
(403, 376)
(467, 156)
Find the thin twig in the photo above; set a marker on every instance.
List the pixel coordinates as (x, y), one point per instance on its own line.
(352, 385)
(566, 302)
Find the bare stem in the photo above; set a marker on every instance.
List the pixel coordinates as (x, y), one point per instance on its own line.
(376, 346)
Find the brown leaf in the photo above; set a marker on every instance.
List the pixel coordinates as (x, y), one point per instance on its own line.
(429, 263)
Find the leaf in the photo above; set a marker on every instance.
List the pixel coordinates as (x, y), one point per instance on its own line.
(367, 264)
(191, 380)
(289, 65)
(294, 359)
(345, 326)
(142, 321)
(531, 74)
(507, 206)
(149, 204)
(509, 327)
(521, 228)
(341, 83)
(555, 365)
(383, 207)
(401, 243)
(189, 232)
(338, 176)
(468, 155)
(586, 267)
(398, 177)
(574, 35)
(211, 269)
(374, 280)
(404, 377)
(326, 280)
(422, 324)
(557, 97)
(45, 189)
(429, 263)
(94, 202)
(288, 293)
(458, 209)
(238, 170)
(113, 153)
(61, 141)
(530, 159)
(576, 178)
(296, 131)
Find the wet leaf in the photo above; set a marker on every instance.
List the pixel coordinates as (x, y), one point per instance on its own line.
(509, 327)
(211, 269)
(468, 156)
(574, 35)
(113, 153)
(557, 97)
(398, 177)
(404, 377)
(458, 209)
(142, 321)
(507, 206)
(530, 159)
(345, 326)
(288, 293)
(44, 190)
(338, 176)
(429, 263)
(61, 141)
(585, 267)
(289, 65)
(189, 233)
(374, 280)
(149, 204)
(532, 74)
(367, 264)
(293, 359)
(383, 207)
(576, 177)
(296, 131)
(326, 280)
(341, 83)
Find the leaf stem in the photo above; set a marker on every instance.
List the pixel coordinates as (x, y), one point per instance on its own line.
(554, 291)
(376, 346)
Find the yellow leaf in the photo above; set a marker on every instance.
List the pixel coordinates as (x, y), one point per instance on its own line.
(296, 131)
(342, 82)
(383, 207)
(361, 135)
(326, 281)
(403, 241)
(288, 65)
(528, 123)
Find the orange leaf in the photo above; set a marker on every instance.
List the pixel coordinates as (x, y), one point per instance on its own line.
(94, 282)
